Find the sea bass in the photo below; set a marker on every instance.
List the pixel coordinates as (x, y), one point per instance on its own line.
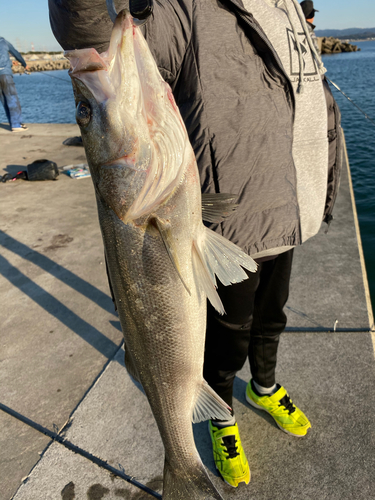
(162, 260)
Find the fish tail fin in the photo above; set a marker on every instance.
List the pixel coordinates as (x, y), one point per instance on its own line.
(210, 405)
(215, 256)
(188, 483)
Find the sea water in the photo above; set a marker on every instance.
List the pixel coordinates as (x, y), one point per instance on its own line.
(47, 97)
(354, 73)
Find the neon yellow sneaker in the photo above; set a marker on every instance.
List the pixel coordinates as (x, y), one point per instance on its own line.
(288, 417)
(229, 456)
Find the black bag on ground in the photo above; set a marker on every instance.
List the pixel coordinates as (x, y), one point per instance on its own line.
(42, 170)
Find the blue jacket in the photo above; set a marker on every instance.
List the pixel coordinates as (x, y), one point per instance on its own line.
(5, 62)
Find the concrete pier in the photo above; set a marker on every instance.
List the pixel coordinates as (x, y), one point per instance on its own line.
(67, 404)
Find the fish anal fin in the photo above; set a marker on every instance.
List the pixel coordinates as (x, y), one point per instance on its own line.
(218, 206)
(165, 231)
(209, 405)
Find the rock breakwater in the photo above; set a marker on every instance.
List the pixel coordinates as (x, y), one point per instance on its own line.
(41, 64)
(330, 45)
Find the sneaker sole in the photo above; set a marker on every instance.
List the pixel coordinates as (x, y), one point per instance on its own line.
(238, 483)
(258, 407)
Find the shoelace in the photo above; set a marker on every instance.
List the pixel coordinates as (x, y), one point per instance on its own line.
(286, 402)
(230, 445)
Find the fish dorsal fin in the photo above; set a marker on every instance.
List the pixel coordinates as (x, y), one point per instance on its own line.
(218, 206)
(165, 231)
(215, 256)
(210, 405)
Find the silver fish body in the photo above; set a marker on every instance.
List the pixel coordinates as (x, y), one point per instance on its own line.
(162, 261)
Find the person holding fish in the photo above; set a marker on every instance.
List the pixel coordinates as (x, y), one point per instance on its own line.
(244, 88)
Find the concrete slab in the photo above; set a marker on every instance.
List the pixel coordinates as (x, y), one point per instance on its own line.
(73, 477)
(41, 140)
(327, 285)
(58, 323)
(59, 332)
(330, 376)
(114, 422)
(21, 448)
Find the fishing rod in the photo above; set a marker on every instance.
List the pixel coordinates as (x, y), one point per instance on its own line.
(343, 93)
(51, 76)
(57, 78)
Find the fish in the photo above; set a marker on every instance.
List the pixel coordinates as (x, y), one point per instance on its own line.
(163, 262)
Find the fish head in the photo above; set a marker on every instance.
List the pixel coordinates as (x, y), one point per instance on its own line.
(109, 112)
(99, 116)
(108, 95)
(131, 128)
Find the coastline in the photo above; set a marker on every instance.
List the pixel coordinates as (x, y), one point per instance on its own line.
(41, 62)
(56, 61)
(359, 40)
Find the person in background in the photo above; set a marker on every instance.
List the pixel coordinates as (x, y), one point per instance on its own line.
(247, 80)
(307, 7)
(8, 91)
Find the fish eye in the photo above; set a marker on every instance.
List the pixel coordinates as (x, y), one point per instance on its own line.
(83, 114)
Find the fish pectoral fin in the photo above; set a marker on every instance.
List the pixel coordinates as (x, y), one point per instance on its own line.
(165, 231)
(215, 256)
(218, 206)
(209, 405)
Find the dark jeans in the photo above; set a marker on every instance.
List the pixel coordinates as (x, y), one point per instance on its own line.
(251, 327)
(9, 99)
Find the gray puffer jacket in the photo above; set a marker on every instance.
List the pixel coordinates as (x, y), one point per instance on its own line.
(236, 100)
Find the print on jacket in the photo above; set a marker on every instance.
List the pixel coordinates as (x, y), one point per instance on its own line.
(309, 68)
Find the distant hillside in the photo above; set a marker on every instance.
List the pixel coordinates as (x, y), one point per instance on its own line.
(359, 36)
(352, 33)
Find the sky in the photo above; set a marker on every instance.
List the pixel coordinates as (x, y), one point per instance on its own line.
(26, 22)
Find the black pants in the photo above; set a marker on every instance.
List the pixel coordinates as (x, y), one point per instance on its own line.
(251, 327)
